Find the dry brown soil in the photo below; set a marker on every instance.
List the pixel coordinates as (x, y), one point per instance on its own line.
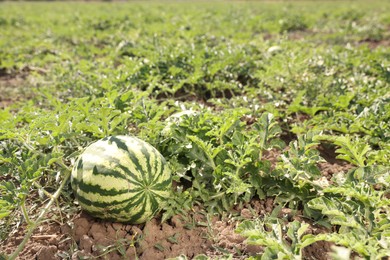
(15, 86)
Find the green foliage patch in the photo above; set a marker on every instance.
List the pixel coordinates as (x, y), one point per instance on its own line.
(254, 78)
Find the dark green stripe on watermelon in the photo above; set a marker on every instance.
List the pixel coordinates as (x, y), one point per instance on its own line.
(94, 188)
(132, 175)
(159, 173)
(123, 146)
(119, 143)
(134, 159)
(157, 170)
(141, 213)
(103, 205)
(162, 186)
(80, 164)
(128, 205)
(135, 218)
(102, 170)
(148, 165)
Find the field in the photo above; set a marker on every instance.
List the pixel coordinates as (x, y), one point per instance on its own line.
(283, 151)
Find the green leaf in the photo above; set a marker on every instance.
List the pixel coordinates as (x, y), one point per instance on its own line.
(159, 247)
(347, 214)
(351, 150)
(268, 130)
(202, 151)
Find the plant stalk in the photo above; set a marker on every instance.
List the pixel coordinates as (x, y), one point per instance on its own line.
(38, 221)
(24, 211)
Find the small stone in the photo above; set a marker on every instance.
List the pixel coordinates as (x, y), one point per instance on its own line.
(54, 240)
(79, 255)
(131, 253)
(136, 231)
(86, 243)
(96, 228)
(128, 228)
(118, 226)
(81, 222)
(65, 229)
(177, 222)
(46, 252)
(253, 249)
(111, 232)
(246, 213)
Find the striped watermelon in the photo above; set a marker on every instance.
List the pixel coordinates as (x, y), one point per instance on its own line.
(121, 178)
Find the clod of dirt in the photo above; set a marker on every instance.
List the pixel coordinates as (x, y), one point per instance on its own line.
(86, 244)
(47, 252)
(246, 213)
(150, 241)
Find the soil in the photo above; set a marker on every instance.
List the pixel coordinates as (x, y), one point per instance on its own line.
(13, 87)
(376, 43)
(84, 237)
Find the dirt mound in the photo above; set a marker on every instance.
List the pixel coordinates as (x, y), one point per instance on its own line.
(86, 237)
(150, 241)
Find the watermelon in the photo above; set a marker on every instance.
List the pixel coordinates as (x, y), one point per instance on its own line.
(121, 179)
